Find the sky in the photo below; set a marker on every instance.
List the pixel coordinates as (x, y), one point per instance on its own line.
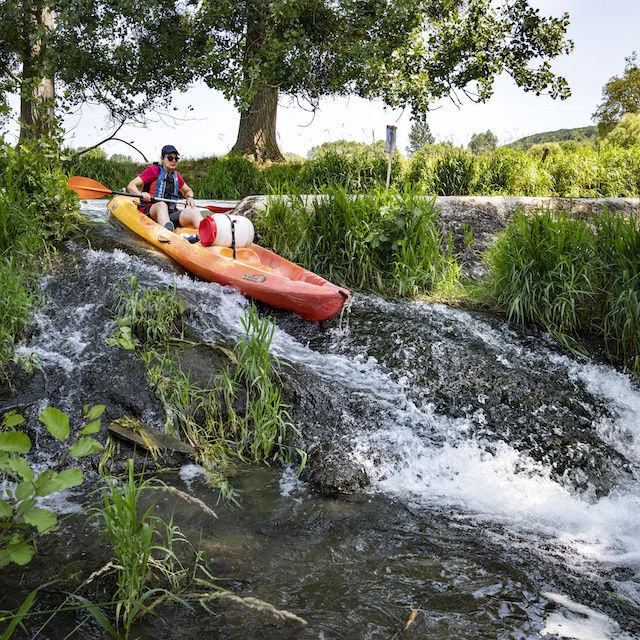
(604, 34)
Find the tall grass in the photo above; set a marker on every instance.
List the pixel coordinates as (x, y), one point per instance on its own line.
(435, 170)
(384, 241)
(576, 278)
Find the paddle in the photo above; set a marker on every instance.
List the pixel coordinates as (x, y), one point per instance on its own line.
(91, 189)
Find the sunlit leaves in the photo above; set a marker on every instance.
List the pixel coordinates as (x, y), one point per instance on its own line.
(407, 52)
(621, 95)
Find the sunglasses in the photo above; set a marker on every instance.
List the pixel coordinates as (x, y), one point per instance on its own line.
(173, 158)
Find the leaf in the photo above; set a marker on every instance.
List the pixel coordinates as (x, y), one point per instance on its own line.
(24, 490)
(22, 612)
(13, 419)
(96, 411)
(70, 478)
(97, 614)
(17, 550)
(57, 423)
(84, 447)
(92, 427)
(6, 510)
(43, 519)
(15, 441)
(49, 481)
(20, 466)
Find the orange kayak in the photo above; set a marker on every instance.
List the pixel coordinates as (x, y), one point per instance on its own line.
(256, 272)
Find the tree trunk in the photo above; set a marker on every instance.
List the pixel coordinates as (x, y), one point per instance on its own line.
(37, 94)
(257, 132)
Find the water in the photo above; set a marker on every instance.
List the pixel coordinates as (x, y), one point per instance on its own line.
(497, 476)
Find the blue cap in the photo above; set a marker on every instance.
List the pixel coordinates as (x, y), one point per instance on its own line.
(168, 148)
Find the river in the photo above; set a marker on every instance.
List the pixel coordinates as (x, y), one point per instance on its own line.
(490, 478)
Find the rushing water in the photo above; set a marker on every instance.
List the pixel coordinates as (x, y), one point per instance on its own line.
(501, 498)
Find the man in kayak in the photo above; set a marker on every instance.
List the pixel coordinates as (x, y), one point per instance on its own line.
(163, 181)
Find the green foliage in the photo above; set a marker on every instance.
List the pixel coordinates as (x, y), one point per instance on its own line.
(113, 173)
(354, 172)
(152, 316)
(135, 538)
(483, 143)
(118, 72)
(149, 568)
(206, 412)
(36, 210)
(384, 241)
(408, 55)
(508, 172)
(626, 133)
(621, 95)
(19, 514)
(581, 136)
(455, 173)
(575, 278)
(419, 137)
(543, 150)
(348, 148)
(231, 177)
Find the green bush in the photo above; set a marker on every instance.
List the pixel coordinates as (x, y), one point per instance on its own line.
(455, 173)
(512, 173)
(36, 210)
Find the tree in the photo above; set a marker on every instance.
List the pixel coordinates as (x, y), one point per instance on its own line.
(419, 136)
(128, 56)
(626, 133)
(482, 143)
(347, 148)
(408, 53)
(621, 96)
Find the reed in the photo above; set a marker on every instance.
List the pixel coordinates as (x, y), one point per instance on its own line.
(616, 248)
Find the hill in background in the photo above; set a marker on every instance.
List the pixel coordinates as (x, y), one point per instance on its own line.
(582, 135)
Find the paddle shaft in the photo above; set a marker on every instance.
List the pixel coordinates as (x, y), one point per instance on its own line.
(138, 195)
(89, 189)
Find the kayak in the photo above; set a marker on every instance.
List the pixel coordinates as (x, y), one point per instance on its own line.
(252, 270)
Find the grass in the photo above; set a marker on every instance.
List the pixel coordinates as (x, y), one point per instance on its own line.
(149, 314)
(577, 278)
(205, 412)
(386, 242)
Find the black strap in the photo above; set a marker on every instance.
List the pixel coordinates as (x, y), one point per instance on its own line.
(233, 234)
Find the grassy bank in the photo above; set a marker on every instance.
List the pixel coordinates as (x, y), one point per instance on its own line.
(436, 170)
(577, 278)
(36, 210)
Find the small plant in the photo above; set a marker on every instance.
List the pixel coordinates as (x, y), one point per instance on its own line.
(151, 315)
(135, 538)
(19, 514)
(148, 570)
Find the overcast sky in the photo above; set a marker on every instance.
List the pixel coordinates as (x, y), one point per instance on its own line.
(604, 34)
